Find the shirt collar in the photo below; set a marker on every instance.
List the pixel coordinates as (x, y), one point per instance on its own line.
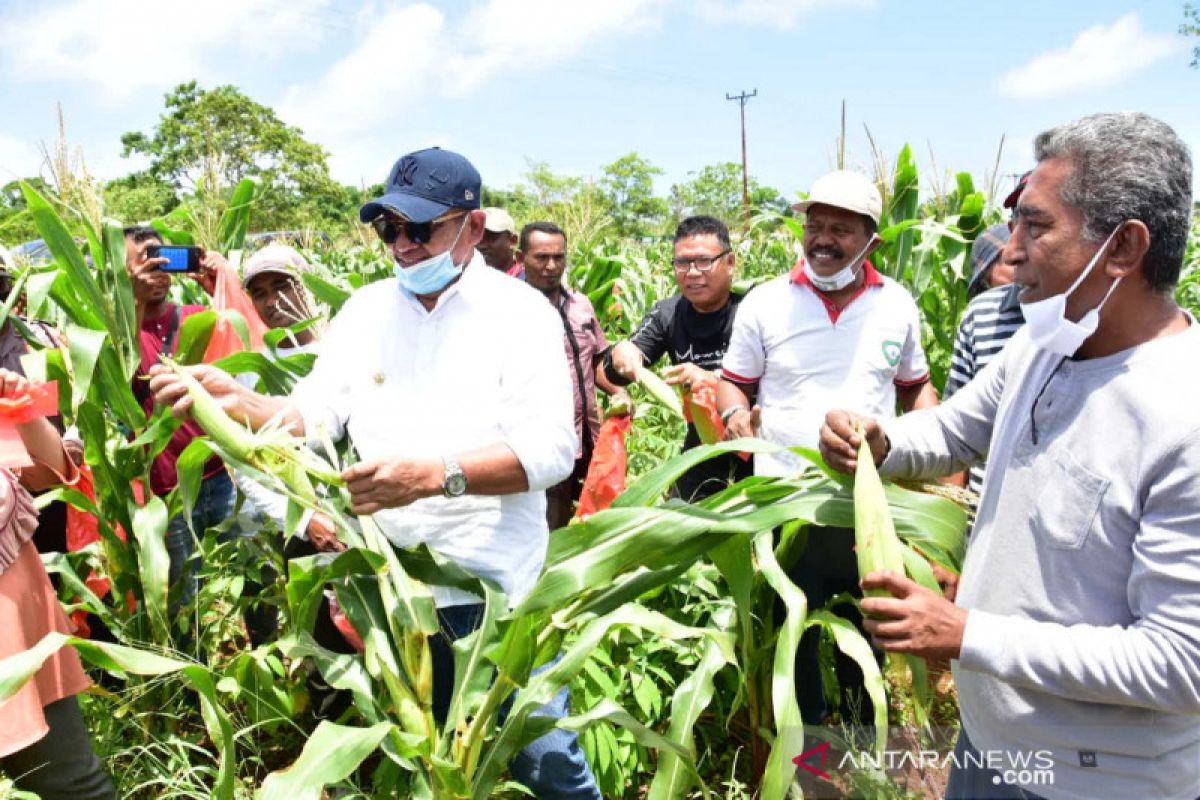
(1010, 300)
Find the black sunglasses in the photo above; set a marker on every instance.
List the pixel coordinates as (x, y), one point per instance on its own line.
(390, 228)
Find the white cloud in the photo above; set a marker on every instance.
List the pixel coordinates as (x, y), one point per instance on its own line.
(1101, 56)
(18, 159)
(782, 14)
(411, 54)
(120, 47)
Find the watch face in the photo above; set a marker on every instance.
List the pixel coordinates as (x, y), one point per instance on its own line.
(456, 484)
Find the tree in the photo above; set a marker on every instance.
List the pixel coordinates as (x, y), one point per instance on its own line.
(138, 198)
(209, 139)
(628, 185)
(716, 190)
(16, 225)
(1191, 27)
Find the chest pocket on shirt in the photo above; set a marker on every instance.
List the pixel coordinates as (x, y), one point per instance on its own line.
(1064, 521)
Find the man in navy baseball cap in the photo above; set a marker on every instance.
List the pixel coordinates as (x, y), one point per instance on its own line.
(424, 185)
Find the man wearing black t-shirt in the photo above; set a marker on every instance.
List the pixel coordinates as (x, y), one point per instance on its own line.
(692, 329)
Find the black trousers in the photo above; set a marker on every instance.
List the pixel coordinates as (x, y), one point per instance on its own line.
(62, 764)
(828, 568)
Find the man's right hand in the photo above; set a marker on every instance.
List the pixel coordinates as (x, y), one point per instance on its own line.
(169, 389)
(744, 424)
(150, 283)
(323, 534)
(627, 359)
(840, 441)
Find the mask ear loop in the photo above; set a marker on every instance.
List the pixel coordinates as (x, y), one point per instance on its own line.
(1094, 262)
(861, 258)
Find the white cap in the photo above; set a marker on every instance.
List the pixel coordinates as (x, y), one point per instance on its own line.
(497, 219)
(852, 191)
(278, 258)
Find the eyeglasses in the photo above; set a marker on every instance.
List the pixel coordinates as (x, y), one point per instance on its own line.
(699, 263)
(390, 228)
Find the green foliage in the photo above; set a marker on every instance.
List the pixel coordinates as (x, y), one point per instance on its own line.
(628, 184)
(666, 614)
(139, 197)
(208, 140)
(1191, 27)
(16, 224)
(716, 190)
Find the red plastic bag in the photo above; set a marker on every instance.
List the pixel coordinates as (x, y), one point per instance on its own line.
(343, 624)
(41, 400)
(606, 474)
(229, 296)
(700, 409)
(83, 529)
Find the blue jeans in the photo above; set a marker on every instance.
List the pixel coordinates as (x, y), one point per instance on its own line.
(552, 766)
(971, 780)
(213, 506)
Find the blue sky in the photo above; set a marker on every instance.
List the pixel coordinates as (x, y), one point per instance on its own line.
(578, 84)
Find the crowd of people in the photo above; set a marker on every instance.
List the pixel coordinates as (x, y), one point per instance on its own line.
(469, 386)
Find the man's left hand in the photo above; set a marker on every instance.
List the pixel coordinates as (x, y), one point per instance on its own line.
(689, 375)
(392, 483)
(914, 619)
(210, 262)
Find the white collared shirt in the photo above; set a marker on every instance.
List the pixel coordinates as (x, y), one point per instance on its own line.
(485, 366)
(809, 358)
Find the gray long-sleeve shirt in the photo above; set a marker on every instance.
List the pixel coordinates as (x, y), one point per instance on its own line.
(1082, 575)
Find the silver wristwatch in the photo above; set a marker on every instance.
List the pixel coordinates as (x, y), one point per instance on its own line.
(455, 482)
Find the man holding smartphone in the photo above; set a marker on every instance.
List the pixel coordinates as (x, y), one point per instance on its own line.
(159, 322)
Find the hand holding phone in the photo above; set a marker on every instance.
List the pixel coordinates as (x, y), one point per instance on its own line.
(179, 258)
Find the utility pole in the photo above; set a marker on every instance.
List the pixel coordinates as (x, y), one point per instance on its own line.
(742, 98)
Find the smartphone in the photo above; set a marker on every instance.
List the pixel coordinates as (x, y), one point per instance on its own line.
(179, 258)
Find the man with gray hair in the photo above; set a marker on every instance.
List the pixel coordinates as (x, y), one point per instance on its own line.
(1075, 633)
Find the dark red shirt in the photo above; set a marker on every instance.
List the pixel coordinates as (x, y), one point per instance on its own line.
(157, 337)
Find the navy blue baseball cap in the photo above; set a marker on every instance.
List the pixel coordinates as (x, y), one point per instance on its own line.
(424, 185)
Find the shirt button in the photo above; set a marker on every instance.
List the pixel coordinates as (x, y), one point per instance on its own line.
(379, 378)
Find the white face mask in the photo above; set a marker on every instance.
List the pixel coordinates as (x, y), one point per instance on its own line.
(1047, 319)
(840, 279)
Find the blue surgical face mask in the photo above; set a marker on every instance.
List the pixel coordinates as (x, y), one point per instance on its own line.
(434, 273)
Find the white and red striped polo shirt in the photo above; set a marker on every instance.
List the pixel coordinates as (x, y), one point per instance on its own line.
(809, 357)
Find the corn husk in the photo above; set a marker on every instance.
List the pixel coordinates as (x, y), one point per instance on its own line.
(657, 388)
(876, 544)
(271, 450)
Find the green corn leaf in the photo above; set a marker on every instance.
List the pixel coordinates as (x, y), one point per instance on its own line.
(330, 755)
(329, 294)
(235, 221)
(523, 725)
(194, 334)
(149, 529)
(789, 726)
(851, 642)
(675, 775)
(85, 346)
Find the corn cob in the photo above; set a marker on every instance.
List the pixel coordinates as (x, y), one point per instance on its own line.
(272, 450)
(657, 388)
(875, 542)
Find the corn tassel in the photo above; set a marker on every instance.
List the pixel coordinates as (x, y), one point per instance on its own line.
(875, 542)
